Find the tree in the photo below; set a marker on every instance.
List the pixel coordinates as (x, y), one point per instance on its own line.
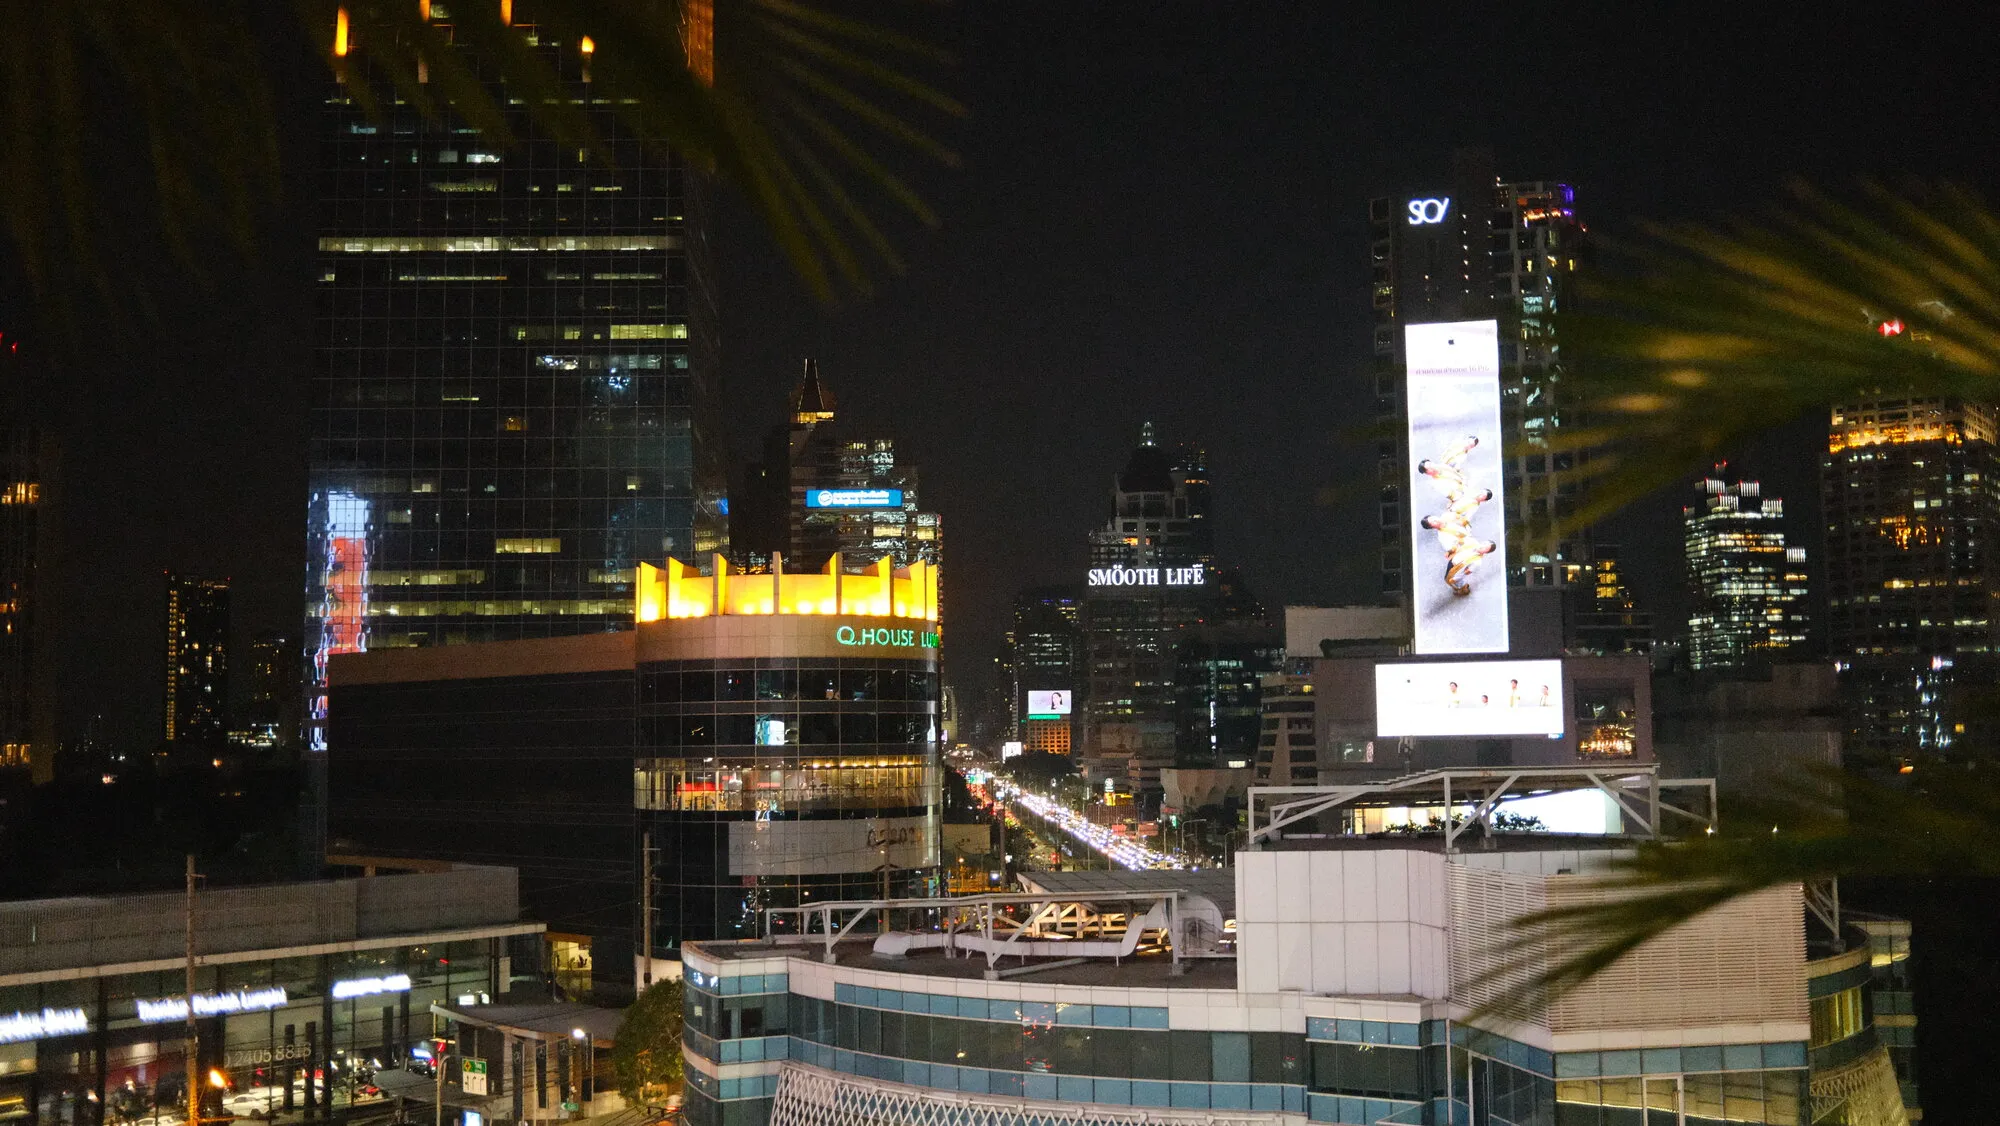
(1710, 336)
(646, 1058)
(789, 100)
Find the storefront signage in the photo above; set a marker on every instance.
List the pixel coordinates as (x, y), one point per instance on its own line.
(368, 986)
(897, 638)
(883, 834)
(1147, 576)
(49, 1022)
(212, 1004)
(258, 1057)
(854, 498)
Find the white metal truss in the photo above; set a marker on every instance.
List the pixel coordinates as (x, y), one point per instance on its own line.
(1099, 924)
(1636, 789)
(812, 1096)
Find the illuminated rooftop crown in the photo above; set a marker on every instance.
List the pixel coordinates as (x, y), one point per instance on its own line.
(680, 590)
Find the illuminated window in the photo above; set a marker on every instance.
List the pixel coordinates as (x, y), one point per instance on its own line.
(527, 545)
(649, 332)
(514, 424)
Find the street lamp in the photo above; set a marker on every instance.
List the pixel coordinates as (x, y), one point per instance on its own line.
(585, 1062)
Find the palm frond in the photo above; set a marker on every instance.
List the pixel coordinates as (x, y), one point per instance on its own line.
(1701, 337)
(1877, 830)
(801, 107)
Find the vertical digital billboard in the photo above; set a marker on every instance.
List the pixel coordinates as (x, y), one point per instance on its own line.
(1458, 522)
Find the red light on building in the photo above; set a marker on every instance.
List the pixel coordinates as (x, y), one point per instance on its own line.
(1890, 328)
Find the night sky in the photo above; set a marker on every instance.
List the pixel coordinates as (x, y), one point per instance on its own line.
(1160, 216)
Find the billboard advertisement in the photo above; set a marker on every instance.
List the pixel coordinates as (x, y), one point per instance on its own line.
(1458, 520)
(1469, 698)
(1048, 705)
(854, 498)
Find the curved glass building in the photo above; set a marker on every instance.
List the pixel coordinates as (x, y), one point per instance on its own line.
(758, 740)
(787, 734)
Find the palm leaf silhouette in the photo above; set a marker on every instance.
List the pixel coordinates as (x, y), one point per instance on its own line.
(805, 110)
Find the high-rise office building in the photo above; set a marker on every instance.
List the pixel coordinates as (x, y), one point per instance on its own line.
(269, 673)
(1219, 673)
(1911, 499)
(514, 394)
(1749, 587)
(1600, 614)
(27, 715)
(1470, 247)
(816, 492)
(196, 715)
(1152, 574)
(1045, 668)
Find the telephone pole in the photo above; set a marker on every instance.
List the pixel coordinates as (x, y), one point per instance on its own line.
(193, 1048)
(646, 905)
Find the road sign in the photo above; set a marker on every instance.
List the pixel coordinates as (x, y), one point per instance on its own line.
(472, 1077)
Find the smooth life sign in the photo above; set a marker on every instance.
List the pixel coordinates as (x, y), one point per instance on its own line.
(1147, 576)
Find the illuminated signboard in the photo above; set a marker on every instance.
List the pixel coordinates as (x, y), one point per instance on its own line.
(1012, 748)
(17, 1027)
(1148, 576)
(897, 638)
(1469, 698)
(1425, 212)
(1458, 556)
(854, 498)
(367, 986)
(1048, 705)
(211, 1004)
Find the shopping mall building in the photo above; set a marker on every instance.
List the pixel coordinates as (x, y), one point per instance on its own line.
(758, 740)
(326, 979)
(1349, 973)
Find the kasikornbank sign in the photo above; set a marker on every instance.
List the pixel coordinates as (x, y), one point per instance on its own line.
(1147, 576)
(894, 638)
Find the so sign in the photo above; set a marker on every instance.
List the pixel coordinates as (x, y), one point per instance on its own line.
(1424, 212)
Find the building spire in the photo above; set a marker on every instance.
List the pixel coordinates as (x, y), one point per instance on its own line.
(811, 401)
(1146, 435)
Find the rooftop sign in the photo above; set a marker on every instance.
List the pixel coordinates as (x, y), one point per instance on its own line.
(1148, 576)
(854, 498)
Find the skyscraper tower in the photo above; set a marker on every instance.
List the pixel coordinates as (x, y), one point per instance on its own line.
(1469, 248)
(817, 492)
(1047, 657)
(27, 456)
(1152, 574)
(514, 394)
(1911, 498)
(1749, 587)
(197, 663)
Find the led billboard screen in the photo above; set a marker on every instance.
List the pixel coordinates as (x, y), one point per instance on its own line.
(1469, 698)
(1047, 705)
(1458, 520)
(854, 498)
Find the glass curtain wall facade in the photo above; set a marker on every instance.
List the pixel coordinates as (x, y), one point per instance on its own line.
(832, 761)
(1749, 587)
(513, 400)
(1911, 499)
(331, 1017)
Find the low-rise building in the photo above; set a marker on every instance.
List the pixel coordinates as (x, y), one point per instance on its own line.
(1360, 972)
(300, 990)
